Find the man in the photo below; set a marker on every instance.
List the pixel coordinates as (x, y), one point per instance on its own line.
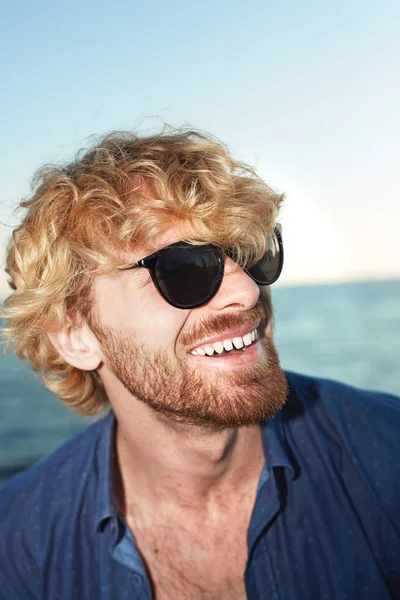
(141, 277)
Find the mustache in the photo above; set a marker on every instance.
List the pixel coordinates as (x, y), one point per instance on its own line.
(216, 325)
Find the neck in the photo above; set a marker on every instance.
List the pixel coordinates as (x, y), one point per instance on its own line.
(165, 464)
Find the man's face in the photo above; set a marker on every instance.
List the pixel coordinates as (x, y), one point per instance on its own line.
(161, 354)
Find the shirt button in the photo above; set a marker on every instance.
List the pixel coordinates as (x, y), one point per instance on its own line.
(137, 579)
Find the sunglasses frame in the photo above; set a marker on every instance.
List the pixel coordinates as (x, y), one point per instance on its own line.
(149, 263)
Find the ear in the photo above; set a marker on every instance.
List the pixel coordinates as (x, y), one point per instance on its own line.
(78, 346)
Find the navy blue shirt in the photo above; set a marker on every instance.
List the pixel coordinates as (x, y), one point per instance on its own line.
(325, 525)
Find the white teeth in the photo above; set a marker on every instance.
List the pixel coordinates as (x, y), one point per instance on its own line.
(218, 347)
(238, 342)
(247, 339)
(228, 345)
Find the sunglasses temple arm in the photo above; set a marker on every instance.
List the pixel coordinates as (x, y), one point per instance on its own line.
(130, 266)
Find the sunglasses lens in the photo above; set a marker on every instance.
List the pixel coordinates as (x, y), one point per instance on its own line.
(188, 276)
(267, 270)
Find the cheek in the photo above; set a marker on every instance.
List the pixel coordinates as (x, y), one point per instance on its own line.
(162, 330)
(152, 323)
(140, 314)
(266, 299)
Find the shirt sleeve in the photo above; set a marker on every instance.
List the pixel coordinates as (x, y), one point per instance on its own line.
(18, 574)
(374, 434)
(19, 571)
(358, 432)
(369, 432)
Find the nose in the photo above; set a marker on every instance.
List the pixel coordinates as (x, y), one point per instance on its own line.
(237, 290)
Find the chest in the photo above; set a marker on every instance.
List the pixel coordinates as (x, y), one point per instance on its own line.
(206, 562)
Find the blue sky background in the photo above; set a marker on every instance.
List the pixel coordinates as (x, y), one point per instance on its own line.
(307, 91)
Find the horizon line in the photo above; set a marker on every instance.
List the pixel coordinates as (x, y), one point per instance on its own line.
(315, 283)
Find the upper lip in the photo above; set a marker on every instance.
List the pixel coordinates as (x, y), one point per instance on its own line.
(228, 335)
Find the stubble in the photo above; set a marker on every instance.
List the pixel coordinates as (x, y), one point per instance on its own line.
(183, 392)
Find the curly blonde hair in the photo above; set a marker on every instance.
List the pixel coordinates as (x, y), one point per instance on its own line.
(122, 193)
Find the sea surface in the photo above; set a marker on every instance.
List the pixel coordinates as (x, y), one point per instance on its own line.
(348, 332)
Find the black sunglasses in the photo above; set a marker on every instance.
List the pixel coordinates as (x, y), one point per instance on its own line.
(188, 276)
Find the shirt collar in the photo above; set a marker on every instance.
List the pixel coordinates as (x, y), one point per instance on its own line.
(105, 507)
(274, 443)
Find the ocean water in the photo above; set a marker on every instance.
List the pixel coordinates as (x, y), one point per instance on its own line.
(349, 332)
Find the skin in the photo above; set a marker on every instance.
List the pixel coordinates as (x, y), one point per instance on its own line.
(190, 478)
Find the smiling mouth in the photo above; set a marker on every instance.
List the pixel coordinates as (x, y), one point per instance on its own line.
(233, 345)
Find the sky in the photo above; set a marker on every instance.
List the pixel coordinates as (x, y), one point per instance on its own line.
(308, 92)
